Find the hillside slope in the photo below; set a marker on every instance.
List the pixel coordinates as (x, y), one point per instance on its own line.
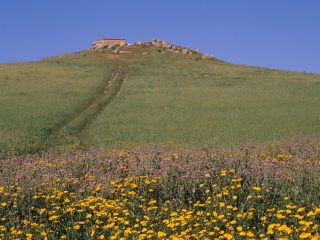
(75, 99)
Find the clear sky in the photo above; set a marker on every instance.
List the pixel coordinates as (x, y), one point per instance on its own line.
(280, 34)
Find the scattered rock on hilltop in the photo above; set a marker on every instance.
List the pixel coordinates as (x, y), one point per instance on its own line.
(170, 48)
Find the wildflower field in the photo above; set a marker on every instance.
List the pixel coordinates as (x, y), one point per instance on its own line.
(268, 192)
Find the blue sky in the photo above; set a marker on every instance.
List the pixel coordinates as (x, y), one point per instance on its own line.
(280, 34)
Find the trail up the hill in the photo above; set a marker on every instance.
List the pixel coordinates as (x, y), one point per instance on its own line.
(72, 128)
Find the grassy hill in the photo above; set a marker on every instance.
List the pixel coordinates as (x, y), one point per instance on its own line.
(132, 189)
(143, 96)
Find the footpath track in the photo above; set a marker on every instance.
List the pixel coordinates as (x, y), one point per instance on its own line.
(71, 130)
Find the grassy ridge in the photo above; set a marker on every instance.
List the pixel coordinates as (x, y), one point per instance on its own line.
(167, 98)
(195, 102)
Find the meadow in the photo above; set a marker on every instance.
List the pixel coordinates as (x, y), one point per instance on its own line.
(151, 145)
(177, 99)
(205, 102)
(37, 98)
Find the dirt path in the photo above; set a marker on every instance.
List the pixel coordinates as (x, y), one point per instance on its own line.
(70, 131)
(122, 85)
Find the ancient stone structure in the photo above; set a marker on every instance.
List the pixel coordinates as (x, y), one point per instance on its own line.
(162, 46)
(108, 43)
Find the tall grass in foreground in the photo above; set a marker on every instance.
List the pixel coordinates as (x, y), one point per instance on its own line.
(151, 193)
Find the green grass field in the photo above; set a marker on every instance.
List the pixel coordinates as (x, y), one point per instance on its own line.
(181, 100)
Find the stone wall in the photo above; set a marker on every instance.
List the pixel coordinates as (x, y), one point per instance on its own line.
(108, 43)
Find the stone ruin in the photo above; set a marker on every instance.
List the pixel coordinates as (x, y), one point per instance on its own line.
(163, 46)
(108, 43)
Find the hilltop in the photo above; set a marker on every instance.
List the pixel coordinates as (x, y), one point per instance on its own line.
(150, 93)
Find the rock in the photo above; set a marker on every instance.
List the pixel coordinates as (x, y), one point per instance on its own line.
(205, 56)
(156, 44)
(116, 51)
(185, 51)
(166, 45)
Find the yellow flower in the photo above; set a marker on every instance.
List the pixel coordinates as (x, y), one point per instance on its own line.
(249, 197)
(305, 223)
(161, 234)
(256, 189)
(223, 173)
(3, 204)
(285, 228)
(152, 201)
(54, 217)
(29, 236)
(305, 235)
(280, 216)
(207, 175)
(98, 188)
(239, 229)
(227, 236)
(76, 227)
(102, 237)
(41, 211)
